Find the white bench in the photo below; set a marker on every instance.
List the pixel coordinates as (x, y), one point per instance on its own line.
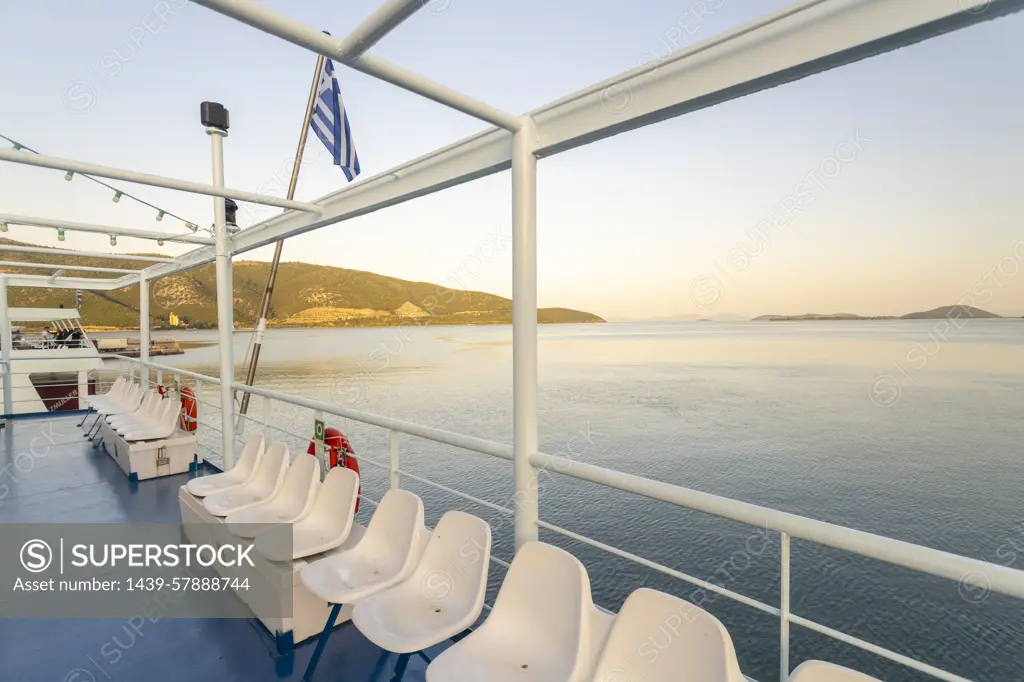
(323, 524)
(146, 443)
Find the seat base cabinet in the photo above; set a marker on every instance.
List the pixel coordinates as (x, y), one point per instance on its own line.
(142, 460)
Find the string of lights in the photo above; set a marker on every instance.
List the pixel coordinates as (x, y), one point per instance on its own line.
(118, 195)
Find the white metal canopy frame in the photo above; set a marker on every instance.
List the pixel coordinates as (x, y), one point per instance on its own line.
(808, 37)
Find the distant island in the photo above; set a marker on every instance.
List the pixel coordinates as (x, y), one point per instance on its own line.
(305, 296)
(951, 312)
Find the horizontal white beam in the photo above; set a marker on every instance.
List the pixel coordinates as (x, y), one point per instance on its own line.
(102, 229)
(83, 254)
(151, 180)
(373, 29)
(269, 21)
(44, 282)
(54, 266)
(810, 37)
(804, 39)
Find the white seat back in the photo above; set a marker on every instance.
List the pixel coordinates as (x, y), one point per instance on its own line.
(454, 565)
(300, 486)
(132, 398)
(149, 400)
(661, 638)
(270, 474)
(394, 532)
(820, 671)
(118, 387)
(545, 600)
(249, 460)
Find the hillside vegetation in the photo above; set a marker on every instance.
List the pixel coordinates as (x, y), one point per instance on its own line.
(305, 295)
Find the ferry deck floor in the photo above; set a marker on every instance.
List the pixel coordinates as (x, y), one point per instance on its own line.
(49, 473)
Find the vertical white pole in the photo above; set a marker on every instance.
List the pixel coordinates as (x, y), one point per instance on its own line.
(784, 612)
(6, 339)
(524, 329)
(225, 312)
(144, 330)
(318, 445)
(396, 481)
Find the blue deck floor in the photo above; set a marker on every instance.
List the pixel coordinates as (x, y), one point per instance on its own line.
(67, 481)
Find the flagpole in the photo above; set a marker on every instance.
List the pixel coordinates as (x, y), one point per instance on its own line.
(261, 325)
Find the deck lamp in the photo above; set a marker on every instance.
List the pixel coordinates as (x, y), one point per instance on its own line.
(159, 242)
(69, 175)
(17, 147)
(60, 235)
(117, 197)
(192, 226)
(3, 226)
(113, 240)
(160, 216)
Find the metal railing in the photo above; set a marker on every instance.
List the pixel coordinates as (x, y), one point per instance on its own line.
(967, 571)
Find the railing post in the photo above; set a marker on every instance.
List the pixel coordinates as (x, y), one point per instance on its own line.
(144, 329)
(318, 442)
(524, 329)
(159, 378)
(393, 444)
(225, 299)
(6, 339)
(199, 406)
(131, 372)
(784, 612)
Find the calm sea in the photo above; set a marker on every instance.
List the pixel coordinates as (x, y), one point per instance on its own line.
(906, 429)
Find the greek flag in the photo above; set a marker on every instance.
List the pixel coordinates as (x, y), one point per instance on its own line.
(330, 123)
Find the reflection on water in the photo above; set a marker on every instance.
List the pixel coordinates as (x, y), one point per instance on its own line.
(909, 429)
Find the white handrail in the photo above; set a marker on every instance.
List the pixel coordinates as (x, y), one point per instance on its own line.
(972, 572)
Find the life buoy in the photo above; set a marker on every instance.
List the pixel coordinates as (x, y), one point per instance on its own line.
(340, 452)
(189, 410)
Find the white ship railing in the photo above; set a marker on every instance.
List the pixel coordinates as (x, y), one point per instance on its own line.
(969, 573)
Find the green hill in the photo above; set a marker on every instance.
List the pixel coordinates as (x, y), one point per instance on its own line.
(305, 295)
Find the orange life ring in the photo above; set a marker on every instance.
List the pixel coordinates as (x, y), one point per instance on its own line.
(340, 452)
(189, 410)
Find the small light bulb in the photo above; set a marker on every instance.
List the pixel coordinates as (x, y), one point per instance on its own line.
(192, 226)
(160, 216)
(3, 227)
(117, 197)
(159, 242)
(69, 175)
(17, 147)
(60, 235)
(113, 240)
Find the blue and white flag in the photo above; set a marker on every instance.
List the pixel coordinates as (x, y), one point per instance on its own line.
(330, 123)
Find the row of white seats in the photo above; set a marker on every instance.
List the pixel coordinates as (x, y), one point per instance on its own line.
(412, 589)
(135, 413)
(265, 488)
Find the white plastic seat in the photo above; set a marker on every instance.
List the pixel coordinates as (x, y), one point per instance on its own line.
(239, 474)
(265, 484)
(538, 631)
(164, 427)
(129, 403)
(292, 504)
(385, 555)
(146, 414)
(328, 523)
(118, 388)
(657, 637)
(820, 671)
(443, 596)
